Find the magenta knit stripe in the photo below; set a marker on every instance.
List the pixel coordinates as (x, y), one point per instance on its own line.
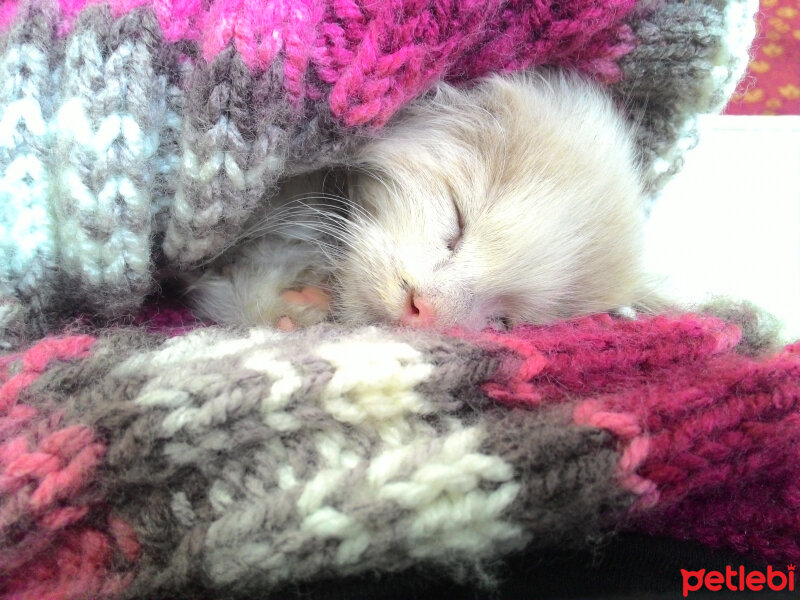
(377, 57)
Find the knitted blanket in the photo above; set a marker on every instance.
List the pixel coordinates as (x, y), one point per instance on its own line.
(137, 134)
(163, 458)
(135, 465)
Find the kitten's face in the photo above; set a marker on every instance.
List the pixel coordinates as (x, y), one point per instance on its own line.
(517, 203)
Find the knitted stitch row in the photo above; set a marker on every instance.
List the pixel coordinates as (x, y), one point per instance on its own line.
(136, 133)
(134, 465)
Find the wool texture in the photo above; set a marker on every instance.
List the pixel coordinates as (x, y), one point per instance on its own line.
(135, 464)
(137, 134)
(155, 457)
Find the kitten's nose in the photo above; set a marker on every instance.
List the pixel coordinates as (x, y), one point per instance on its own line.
(417, 312)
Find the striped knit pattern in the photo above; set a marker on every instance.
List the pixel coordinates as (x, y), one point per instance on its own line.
(135, 465)
(136, 133)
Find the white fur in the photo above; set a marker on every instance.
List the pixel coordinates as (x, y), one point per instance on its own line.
(542, 171)
(287, 252)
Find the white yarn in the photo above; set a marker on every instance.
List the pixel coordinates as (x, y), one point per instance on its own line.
(430, 479)
(26, 228)
(104, 173)
(373, 382)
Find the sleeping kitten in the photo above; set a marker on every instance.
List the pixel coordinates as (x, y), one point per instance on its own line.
(517, 200)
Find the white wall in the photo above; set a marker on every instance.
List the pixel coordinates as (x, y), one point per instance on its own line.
(729, 223)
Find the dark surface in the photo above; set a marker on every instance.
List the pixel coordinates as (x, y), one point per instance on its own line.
(630, 567)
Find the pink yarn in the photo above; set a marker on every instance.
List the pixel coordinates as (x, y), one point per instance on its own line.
(612, 354)
(8, 10)
(46, 475)
(377, 56)
(403, 47)
(35, 361)
(708, 438)
(736, 461)
(163, 317)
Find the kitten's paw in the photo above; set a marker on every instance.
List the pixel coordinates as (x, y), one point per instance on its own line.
(285, 324)
(310, 296)
(306, 307)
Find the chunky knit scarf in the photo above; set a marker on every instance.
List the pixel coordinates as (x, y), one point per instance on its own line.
(162, 458)
(138, 134)
(134, 464)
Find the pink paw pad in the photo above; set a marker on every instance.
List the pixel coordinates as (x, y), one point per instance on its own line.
(311, 296)
(285, 324)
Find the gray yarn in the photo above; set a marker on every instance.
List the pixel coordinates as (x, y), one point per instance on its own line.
(668, 82)
(229, 499)
(102, 199)
(25, 269)
(214, 193)
(760, 330)
(563, 467)
(214, 138)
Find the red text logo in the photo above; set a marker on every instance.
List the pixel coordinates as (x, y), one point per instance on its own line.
(738, 580)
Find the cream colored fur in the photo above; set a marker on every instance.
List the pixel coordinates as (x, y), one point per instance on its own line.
(540, 167)
(514, 201)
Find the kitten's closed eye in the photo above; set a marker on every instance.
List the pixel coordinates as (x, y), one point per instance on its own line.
(455, 240)
(536, 173)
(516, 200)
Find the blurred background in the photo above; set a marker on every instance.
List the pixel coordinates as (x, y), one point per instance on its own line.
(729, 224)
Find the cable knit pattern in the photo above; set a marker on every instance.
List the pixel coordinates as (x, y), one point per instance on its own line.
(136, 133)
(134, 464)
